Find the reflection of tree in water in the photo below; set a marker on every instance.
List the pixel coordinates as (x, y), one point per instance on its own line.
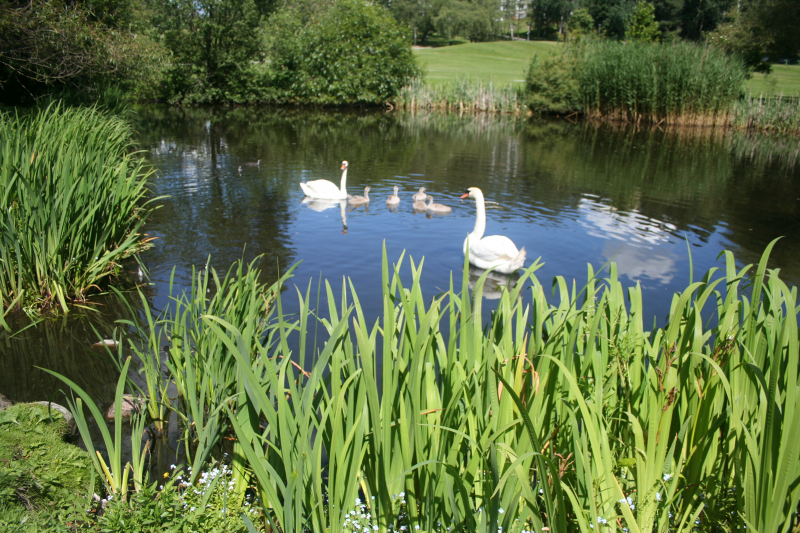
(697, 180)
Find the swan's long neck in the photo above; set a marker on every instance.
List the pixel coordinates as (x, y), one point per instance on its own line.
(343, 186)
(366, 194)
(480, 218)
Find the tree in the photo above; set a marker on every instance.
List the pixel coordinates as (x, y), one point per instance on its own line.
(348, 52)
(701, 16)
(641, 25)
(52, 48)
(474, 19)
(545, 13)
(617, 20)
(417, 15)
(580, 24)
(214, 44)
(760, 28)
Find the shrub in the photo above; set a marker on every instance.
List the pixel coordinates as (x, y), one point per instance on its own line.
(551, 85)
(57, 48)
(348, 52)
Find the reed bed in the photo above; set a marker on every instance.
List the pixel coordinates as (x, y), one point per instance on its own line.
(638, 82)
(462, 95)
(770, 113)
(568, 413)
(72, 207)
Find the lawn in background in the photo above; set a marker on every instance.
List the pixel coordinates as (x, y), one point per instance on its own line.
(784, 79)
(500, 62)
(507, 62)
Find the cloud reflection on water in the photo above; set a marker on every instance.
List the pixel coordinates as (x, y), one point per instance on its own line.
(641, 246)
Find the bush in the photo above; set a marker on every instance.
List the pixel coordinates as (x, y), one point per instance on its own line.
(56, 48)
(348, 52)
(551, 85)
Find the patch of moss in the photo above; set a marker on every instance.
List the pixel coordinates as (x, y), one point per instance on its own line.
(37, 467)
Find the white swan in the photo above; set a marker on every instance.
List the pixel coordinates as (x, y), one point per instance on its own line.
(495, 250)
(360, 200)
(419, 196)
(437, 208)
(326, 189)
(393, 198)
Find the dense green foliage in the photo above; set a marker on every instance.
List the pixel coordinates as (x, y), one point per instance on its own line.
(37, 467)
(761, 28)
(346, 53)
(641, 24)
(215, 46)
(637, 82)
(60, 49)
(561, 415)
(72, 207)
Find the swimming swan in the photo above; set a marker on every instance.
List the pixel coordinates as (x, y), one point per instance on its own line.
(393, 198)
(360, 200)
(437, 208)
(325, 189)
(495, 250)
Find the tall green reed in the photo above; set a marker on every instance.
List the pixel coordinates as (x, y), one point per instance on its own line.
(770, 113)
(567, 413)
(462, 95)
(639, 82)
(72, 206)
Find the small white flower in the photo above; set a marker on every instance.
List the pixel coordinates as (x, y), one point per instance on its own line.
(172, 467)
(667, 477)
(658, 496)
(416, 527)
(500, 511)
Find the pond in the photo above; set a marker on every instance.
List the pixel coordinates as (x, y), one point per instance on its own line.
(571, 194)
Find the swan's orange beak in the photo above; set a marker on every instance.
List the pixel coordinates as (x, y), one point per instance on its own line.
(343, 167)
(466, 195)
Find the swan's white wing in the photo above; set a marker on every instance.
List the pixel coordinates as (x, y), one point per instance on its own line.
(493, 248)
(321, 189)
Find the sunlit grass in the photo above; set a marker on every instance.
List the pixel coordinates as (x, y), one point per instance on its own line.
(783, 80)
(501, 62)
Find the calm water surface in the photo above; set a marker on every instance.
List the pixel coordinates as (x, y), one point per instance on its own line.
(571, 194)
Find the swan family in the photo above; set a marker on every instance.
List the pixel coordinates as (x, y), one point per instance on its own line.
(495, 251)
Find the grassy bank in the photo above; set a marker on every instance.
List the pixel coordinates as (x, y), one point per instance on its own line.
(783, 80)
(501, 62)
(72, 207)
(565, 413)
